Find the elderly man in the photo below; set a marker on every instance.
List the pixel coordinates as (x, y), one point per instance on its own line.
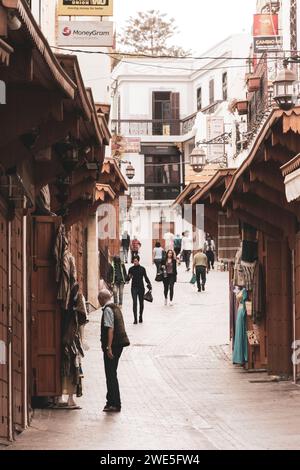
(200, 267)
(113, 340)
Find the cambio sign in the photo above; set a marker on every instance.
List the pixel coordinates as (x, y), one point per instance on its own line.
(85, 33)
(2, 92)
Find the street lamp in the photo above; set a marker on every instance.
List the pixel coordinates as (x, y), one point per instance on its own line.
(284, 88)
(198, 159)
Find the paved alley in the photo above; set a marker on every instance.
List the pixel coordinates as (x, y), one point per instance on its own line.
(179, 388)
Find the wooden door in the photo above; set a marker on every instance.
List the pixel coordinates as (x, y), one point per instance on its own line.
(4, 376)
(46, 314)
(17, 320)
(279, 308)
(158, 231)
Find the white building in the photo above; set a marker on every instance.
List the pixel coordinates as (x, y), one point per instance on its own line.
(167, 105)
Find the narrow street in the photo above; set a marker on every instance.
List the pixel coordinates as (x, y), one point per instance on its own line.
(179, 388)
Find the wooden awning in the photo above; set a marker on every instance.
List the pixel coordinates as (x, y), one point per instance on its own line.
(202, 178)
(221, 178)
(290, 122)
(31, 30)
(291, 174)
(5, 52)
(104, 192)
(185, 195)
(256, 193)
(111, 174)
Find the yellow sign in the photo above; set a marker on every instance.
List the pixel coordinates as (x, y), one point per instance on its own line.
(85, 8)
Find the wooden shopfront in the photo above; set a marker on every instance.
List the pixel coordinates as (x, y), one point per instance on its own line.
(256, 195)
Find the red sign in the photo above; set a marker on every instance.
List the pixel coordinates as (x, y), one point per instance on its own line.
(265, 25)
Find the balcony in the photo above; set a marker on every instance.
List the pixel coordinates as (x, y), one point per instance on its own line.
(132, 127)
(260, 100)
(154, 192)
(147, 127)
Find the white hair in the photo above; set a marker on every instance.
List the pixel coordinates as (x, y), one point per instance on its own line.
(104, 296)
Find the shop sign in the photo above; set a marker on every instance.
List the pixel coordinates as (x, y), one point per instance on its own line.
(85, 8)
(85, 33)
(265, 33)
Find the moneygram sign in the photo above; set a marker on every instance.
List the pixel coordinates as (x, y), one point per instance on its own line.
(85, 8)
(85, 33)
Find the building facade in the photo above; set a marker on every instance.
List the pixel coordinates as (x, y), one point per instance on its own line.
(161, 109)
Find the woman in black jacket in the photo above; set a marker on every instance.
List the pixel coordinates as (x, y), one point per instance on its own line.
(169, 268)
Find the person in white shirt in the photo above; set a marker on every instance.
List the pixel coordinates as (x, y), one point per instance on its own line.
(169, 241)
(187, 247)
(158, 255)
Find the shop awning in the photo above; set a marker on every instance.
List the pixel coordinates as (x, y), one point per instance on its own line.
(291, 173)
(104, 191)
(202, 178)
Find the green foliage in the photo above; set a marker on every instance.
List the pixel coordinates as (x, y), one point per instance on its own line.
(149, 32)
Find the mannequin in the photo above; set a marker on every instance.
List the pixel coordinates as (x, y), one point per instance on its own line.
(73, 346)
(240, 349)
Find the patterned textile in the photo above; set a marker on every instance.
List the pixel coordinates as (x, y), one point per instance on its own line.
(248, 273)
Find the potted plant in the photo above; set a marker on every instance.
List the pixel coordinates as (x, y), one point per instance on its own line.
(253, 83)
(242, 107)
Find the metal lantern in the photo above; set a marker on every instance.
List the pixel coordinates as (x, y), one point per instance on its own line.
(284, 89)
(130, 171)
(198, 159)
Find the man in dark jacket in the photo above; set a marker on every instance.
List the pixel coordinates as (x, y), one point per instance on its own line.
(113, 340)
(137, 274)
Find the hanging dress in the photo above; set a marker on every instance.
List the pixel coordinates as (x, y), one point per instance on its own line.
(240, 349)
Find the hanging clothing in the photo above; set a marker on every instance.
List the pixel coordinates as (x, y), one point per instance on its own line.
(66, 274)
(259, 294)
(238, 273)
(240, 349)
(73, 321)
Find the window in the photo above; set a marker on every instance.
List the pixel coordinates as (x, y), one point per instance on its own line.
(211, 91)
(162, 177)
(161, 113)
(166, 113)
(199, 99)
(225, 86)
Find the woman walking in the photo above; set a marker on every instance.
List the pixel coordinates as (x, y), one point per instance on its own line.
(158, 256)
(117, 277)
(170, 275)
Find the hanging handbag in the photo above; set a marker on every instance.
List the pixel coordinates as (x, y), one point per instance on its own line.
(194, 279)
(148, 296)
(159, 276)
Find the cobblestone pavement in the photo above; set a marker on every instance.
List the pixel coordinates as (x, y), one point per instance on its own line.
(179, 388)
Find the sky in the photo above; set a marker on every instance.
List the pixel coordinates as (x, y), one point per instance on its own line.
(202, 23)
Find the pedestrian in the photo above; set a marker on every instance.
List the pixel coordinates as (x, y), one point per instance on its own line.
(170, 275)
(200, 267)
(209, 250)
(187, 247)
(158, 256)
(125, 244)
(137, 274)
(135, 246)
(177, 245)
(116, 278)
(113, 340)
(169, 241)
